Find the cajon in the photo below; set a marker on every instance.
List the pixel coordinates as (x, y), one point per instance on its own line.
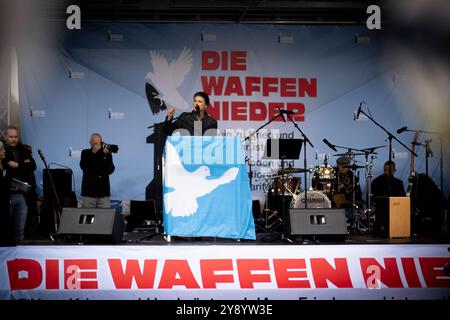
(392, 217)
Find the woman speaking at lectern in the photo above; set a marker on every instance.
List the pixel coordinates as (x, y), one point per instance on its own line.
(195, 123)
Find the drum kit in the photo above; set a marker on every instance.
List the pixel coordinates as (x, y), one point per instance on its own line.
(323, 191)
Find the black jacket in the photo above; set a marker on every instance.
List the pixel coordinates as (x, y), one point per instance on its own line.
(96, 170)
(25, 171)
(380, 187)
(186, 121)
(6, 224)
(4, 195)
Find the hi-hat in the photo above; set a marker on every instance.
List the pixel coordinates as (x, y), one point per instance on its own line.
(349, 154)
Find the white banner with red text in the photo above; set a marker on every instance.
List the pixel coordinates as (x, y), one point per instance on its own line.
(225, 272)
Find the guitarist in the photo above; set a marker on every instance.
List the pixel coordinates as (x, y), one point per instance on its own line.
(386, 185)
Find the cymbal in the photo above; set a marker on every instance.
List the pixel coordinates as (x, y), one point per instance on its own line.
(354, 167)
(292, 170)
(372, 149)
(349, 154)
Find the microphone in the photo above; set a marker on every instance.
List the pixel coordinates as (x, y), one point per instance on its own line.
(402, 129)
(289, 112)
(197, 108)
(282, 114)
(328, 143)
(359, 111)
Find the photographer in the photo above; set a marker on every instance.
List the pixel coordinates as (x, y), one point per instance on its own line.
(97, 165)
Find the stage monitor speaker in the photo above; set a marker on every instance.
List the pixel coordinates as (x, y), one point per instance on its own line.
(92, 225)
(392, 217)
(318, 222)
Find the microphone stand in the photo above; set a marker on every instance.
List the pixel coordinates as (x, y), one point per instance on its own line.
(305, 165)
(390, 137)
(250, 173)
(441, 157)
(428, 154)
(57, 208)
(368, 174)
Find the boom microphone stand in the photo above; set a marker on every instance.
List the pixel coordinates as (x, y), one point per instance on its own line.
(390, 138)
(57, 209)
(250, 173)
(441, 143)
(305, 165)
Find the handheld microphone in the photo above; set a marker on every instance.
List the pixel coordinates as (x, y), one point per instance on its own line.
(359, 111)
(402, 129)
(328, 143)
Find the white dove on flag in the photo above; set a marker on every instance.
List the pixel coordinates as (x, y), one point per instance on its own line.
(189, 186)
(166, 78)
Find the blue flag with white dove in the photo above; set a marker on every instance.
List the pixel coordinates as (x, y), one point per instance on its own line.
(206, 188)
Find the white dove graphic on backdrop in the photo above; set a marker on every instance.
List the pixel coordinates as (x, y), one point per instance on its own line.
(189, 186)
(166, 78)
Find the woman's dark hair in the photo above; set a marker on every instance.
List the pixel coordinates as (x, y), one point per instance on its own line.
(204, 95)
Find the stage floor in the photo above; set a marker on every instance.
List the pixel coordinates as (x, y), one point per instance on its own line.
(146, 238)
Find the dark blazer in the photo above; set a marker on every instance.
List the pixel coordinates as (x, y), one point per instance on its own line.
(186, 121)
(96, 170)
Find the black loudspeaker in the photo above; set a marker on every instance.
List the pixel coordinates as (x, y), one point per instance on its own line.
(140, 212)
(327, 223)
(62, 178)
(92, 225)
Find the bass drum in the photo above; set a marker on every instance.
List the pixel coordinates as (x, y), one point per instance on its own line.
(316, 200)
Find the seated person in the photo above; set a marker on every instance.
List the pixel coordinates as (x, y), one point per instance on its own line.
(386, 185)
(343, 185)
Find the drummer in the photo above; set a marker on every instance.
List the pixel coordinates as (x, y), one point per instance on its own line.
(343, 189)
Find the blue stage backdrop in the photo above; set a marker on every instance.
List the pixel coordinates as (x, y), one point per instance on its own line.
(117, 79)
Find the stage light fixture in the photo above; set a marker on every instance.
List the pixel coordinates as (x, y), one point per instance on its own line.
(359, 39)
(285, 39)
(76, 74)
(208, 36)
(117, 37)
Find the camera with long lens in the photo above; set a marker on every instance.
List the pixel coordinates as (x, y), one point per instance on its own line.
(113, 148)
